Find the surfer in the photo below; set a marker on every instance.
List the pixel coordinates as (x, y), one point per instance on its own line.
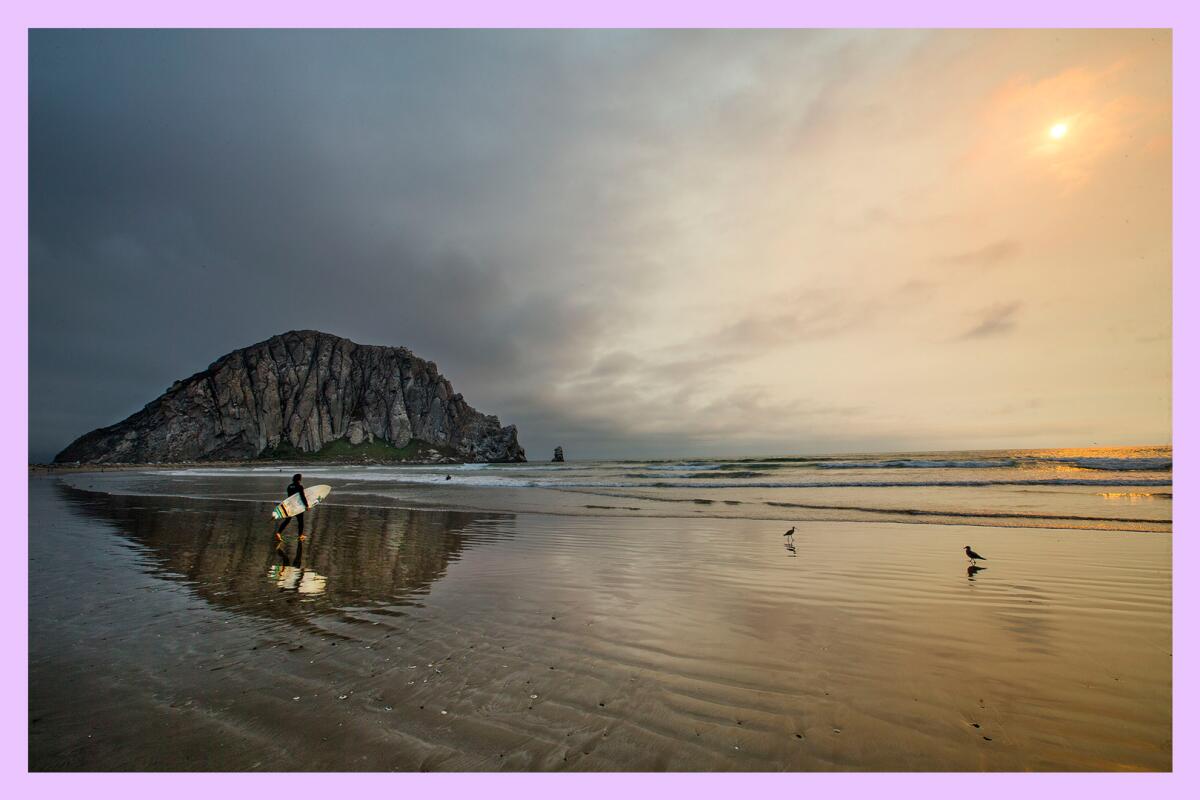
(294, 487)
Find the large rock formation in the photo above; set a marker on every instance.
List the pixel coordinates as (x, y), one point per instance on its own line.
(302, 391)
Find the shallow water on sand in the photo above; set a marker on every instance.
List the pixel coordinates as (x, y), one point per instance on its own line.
(170, 633)
(1097, 488)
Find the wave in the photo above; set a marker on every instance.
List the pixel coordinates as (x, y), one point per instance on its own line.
(654, 481)
(680, 466)
(1117, 464)
(710, 475)
(926, 512)
(868, 484)
(1103, 464)
(917, 464)
(752, 468)
(704, 476)
(742, 474)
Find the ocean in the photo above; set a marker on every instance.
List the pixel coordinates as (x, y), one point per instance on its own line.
(1124, 488)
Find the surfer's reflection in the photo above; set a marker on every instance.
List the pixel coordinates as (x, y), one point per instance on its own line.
(972, 570)
(285, 559)
(290, 576)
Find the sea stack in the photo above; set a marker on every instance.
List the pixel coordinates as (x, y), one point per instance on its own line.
(558, 454)
(305, 394)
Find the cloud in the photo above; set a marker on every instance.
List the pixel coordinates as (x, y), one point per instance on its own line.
(996, 320)
(809, 317)
(986, 256)
(378, 186)
(624, 238)
(501, 202)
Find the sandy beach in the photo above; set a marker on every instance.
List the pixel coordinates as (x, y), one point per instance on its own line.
(169, 633)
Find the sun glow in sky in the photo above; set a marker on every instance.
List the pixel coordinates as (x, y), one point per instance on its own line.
(1058, 130)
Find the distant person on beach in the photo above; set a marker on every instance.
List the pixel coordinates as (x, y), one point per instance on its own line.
(294, 487)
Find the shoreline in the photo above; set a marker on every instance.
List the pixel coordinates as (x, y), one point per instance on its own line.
(867, 505)
(923, 518)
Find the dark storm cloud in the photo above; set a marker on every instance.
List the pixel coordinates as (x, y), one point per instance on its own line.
(196, 192)
(492, 200)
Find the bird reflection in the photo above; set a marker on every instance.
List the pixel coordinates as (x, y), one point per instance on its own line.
(972, 570)
(791, 548)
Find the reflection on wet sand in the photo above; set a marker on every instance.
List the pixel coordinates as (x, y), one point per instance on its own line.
(353, 556)
(296, 579)
(291, 575)
(434, 640)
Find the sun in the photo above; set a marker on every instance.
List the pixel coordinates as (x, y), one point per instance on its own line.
(1058, 130)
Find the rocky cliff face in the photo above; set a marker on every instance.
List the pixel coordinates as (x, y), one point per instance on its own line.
(303, 390)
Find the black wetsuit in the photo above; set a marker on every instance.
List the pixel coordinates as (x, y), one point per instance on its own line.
(294, 488)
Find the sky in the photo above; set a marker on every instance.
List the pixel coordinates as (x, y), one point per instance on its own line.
(628, 243)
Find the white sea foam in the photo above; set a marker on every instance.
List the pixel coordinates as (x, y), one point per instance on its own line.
(1117, 464)
(682, 466)
(652, 482)
(917, 464)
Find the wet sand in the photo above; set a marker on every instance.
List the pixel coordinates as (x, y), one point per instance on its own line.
(169, 634)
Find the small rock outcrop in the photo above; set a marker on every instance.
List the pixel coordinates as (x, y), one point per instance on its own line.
(558, 454)
(300, 393)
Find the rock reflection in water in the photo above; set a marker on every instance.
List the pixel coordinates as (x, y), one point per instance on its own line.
(353, 557)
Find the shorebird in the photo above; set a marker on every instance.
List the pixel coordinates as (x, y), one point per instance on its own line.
(790, 532)
(971, 554)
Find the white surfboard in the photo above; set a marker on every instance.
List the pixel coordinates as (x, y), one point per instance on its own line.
(294, 505)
